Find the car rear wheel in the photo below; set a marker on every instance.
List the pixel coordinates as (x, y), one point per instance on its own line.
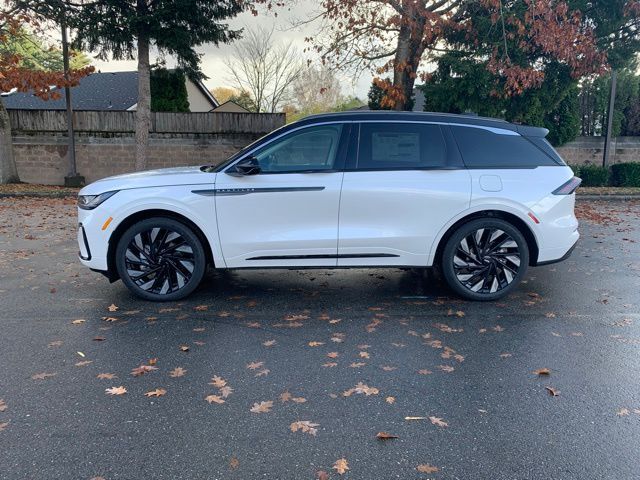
(160, 259)
(485, 259)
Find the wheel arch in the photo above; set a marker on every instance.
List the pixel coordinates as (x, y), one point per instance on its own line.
(515, 220)
(112, 272)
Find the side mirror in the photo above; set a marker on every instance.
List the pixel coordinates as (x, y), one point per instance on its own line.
(246, 166)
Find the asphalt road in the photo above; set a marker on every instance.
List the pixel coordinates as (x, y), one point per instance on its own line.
(418, 351)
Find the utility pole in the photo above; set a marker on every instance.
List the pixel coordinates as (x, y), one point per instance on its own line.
(72, 179)
(612, 102)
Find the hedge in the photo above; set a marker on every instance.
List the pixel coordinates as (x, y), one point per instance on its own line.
(618, 175)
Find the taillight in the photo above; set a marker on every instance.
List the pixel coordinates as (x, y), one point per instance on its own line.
(569, 187)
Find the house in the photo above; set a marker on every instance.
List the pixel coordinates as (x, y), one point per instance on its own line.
(231, 107)
(107, 91)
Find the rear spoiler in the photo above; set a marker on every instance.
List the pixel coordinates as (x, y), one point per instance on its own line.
(528, 131)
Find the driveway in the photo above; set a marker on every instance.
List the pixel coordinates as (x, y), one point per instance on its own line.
(292, 374)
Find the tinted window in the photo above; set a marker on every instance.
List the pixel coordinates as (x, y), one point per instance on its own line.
(313, 148)
(400, 145)
(482, 148)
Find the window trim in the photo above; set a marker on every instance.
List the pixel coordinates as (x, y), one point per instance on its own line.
(338, 165)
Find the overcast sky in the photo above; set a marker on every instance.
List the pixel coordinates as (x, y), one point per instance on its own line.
(213, 57)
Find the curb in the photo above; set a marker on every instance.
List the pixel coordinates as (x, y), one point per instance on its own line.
(610, 198)
(37, 195)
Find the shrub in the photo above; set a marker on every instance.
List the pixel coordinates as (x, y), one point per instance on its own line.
(625, 175)
(592, 175)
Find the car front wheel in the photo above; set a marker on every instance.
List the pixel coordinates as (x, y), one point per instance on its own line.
(160, 259)
(485, 259)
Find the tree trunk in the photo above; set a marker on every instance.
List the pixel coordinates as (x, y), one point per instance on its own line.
(407, 60)
(8, 171)
(143, 109)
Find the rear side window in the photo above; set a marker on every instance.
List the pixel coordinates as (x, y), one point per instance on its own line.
(385, 146)
(482, 148)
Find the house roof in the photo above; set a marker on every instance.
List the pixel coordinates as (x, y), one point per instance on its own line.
(98, 91)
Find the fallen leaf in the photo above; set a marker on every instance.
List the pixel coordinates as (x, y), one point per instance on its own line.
(285, 396)
(262, 373)
(304, 426)
(55, 343)
(152, 361)
(99, 339)
(218, 382)
(361, 388)
(116, 390)
(177, 372)
(81, 354)
(262, 407)
(3, 405)
(322, 475)
(201, 308)
(184, 348)
(79, 321)
(158, 392)
(542, 371)
(3, 426)
(357, 364)
(552, 391)
(269, 343)
(106, 376)
(505, 355)
(113, 308)
(214, 399)
(623, 412)
(199, 329)
(84, 363)
(298, 400)
(341, 466)
(390, 400)
(333, 354)
(109, 319)
(415, 418)
(226, 391)
(446, 368)
(385, 436)
(315, 344)
(387, 368)
(234, 463)
(142, 369)
(425, 468)
(330, 364)
(255, 365)
(42, 376)
(438, 422)
(424, 371)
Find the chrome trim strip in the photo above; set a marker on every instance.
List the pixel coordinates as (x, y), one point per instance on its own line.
(318, 257)
(249, 190)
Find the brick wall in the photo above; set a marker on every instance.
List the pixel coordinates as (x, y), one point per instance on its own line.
(42, 158)
(589, 150)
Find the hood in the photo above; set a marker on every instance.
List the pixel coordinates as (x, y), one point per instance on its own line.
(151, 178)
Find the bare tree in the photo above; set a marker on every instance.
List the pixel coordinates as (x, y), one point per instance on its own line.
(264, 68)
(317, 89)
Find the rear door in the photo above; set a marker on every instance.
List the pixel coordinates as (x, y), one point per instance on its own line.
(403, 182)
(286, 215)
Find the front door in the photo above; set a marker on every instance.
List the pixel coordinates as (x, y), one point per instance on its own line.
(287, 214)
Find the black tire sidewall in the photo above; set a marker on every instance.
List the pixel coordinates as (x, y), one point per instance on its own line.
(179, 227)
(455, 239)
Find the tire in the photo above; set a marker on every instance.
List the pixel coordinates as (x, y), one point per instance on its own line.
(160, 259)
(485, 259)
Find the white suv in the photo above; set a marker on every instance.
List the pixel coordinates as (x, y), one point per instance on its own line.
(479, 198)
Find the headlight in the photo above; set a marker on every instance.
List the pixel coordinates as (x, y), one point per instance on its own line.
(89, 202)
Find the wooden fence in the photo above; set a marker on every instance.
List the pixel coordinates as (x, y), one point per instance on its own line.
(26, 121)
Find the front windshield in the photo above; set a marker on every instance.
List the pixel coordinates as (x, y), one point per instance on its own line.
(240, 153)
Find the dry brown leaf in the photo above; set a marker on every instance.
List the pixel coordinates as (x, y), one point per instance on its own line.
(269, 343)
(333, 354)
(42, 376)
(262, 407)
(112, 308)
(341, 466)
(552, 391)
(315, 344)
(3, 405)
(106, 376)
(142, 369)
(357, 364)
(218, 382)
(438, 422)
(226, 391)
(158, 392)
(542, 371)
(361, 388)
(184, 348)
(330, 364)
(304, 426)
(177, 372)
(285, 396)
(623, 412)
(214, 399)
(201, 308)
(84, 363)
(385, 436)
(234, 463)
(424, 371)
(446, 368)
(55, 343)
(364, 354)
(387, 368)
(109, 319)
(390, 400)
(79, 321)
(116, 390)
(262, 373)
(3, 426)
(425, 468)
(298, 400)
(255, 365)
(505, 355)
(322, 475)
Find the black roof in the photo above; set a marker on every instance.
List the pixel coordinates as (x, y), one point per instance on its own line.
(98, 91)
(452, 118)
